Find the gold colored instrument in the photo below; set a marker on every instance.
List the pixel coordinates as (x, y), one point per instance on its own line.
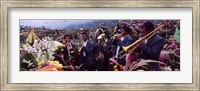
(69, 48)
(116, 36)
(137, 41)
(78, 43)
(134, 44)
(80, 48)
(148, 36)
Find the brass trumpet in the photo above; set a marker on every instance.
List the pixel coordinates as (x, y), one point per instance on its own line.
(69, 48)
(149, 35)
(116, 36)
(79, 47)
(134, 44)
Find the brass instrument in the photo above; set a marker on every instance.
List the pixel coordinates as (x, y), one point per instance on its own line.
(134, 44)
(146, 36)
(115, 30)
(69, 48)
(79, 47)
(116, 36)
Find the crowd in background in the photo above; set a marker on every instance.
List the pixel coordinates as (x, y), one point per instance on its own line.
(101, 48)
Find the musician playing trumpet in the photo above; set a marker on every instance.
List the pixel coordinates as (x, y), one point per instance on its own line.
(87, 52)
(151, 46)
(124, 39)
(70, 48)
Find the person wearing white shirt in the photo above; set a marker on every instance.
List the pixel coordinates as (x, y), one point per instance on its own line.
(88, 52)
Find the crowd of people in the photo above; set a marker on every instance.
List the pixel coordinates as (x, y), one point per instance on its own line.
(111, 48)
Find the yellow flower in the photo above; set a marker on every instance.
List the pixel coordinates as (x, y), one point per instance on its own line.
(54, 69)
(56, 63)
(115, 67)
(40, 63)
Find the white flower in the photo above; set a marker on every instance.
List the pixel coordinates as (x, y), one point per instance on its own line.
(24, 47)
(37, 59)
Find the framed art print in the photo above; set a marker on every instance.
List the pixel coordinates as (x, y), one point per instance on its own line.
(99, 45)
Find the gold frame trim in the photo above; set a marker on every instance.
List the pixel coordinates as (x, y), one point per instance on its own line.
(6, 4)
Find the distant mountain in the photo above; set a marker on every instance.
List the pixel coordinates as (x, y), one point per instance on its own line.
(92, 24)
(69, 24)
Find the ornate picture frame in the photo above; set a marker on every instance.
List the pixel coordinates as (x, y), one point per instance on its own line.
(4, 55)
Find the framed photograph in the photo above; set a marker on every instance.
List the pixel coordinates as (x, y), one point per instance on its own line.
(99, 45)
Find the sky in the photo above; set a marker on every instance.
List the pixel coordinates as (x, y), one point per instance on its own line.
(52, 24)
(60, 24)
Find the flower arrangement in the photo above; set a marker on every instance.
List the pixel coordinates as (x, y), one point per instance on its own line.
(37, 53)
(49, 66)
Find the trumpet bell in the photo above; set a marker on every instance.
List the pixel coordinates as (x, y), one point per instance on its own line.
(125, 48)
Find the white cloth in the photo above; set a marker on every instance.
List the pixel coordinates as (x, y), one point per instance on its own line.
(85, 43)
(145, 41)
(118, 47)
(106, 40)
(122, 38)
(84, 54)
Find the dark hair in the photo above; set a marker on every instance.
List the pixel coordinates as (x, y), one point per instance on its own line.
(84, 33)
(148, 26)
(67, 35)
(127, 29)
